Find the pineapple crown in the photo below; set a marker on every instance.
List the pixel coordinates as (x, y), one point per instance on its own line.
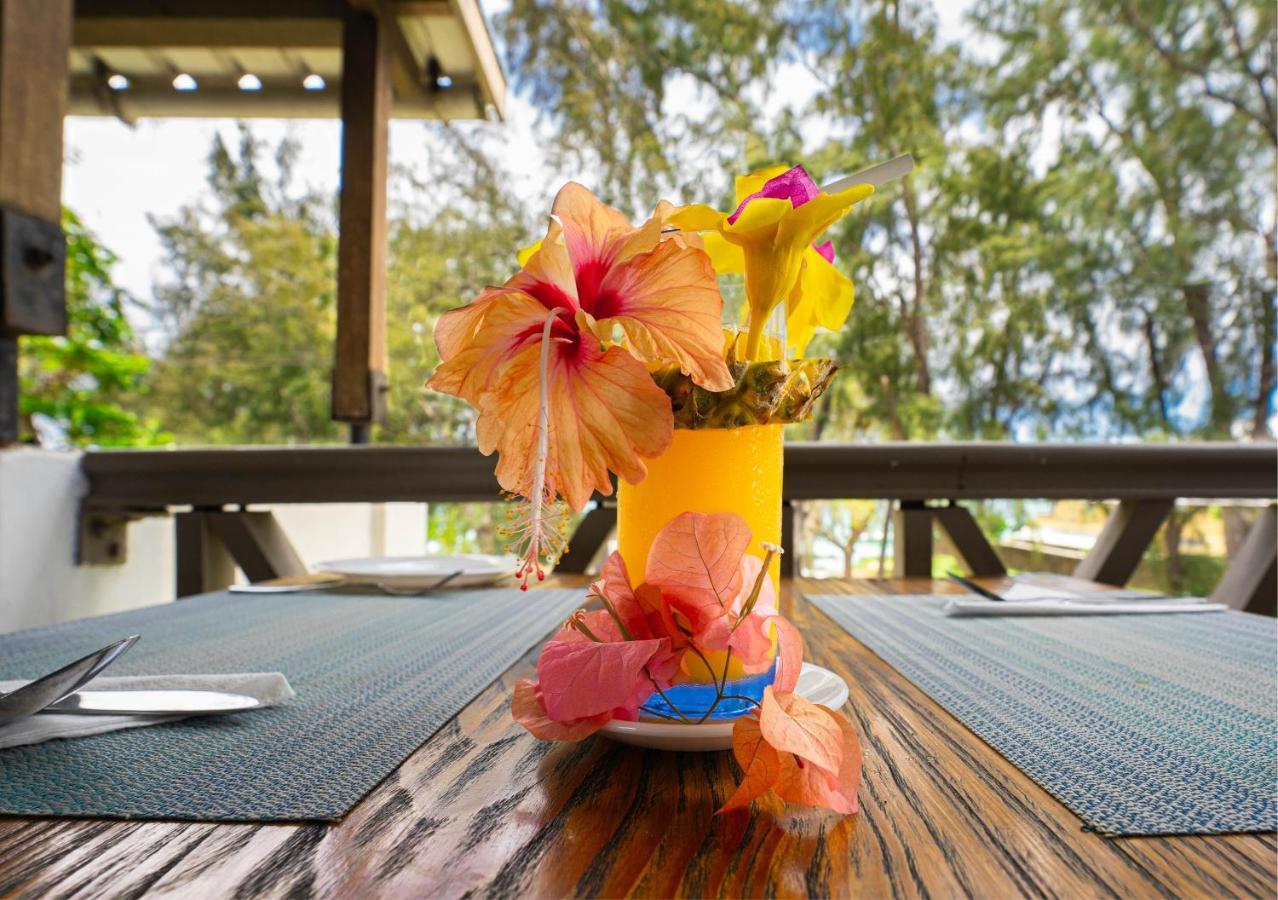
(763, 393)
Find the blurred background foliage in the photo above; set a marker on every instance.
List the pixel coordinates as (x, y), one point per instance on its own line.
(1088, 248)
(86, 389)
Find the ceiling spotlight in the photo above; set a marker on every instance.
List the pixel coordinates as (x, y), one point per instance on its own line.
(249, 82)
(117, 82)
(184, 82)
(313, 82)
(438, 77)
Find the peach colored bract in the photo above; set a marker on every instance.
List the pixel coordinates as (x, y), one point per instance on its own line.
(701, 591)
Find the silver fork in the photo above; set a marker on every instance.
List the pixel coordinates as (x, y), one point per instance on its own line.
(415, 592)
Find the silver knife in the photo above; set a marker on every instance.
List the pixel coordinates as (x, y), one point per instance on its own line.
(152, 703)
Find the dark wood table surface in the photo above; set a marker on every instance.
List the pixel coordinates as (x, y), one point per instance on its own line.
(484, 809)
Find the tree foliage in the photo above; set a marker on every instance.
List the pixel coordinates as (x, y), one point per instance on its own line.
(249, 309)
(1167, 133)
(1086, 247)
(82, 386)
(248, 305)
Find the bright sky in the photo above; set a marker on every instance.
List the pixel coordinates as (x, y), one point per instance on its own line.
(117, 176)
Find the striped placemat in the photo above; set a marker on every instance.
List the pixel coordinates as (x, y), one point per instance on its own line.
(375, 677)
(1142, 724)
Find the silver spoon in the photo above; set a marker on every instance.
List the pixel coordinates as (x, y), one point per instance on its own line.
(31, 698)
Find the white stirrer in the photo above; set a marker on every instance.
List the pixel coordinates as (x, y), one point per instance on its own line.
(875, 175)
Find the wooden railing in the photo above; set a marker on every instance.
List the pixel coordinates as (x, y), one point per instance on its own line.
(217, 485)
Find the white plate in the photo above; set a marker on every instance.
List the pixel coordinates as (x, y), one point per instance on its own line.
(421, 572)
(815, 683)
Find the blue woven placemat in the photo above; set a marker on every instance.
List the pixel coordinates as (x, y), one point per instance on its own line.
(375, 677)
(1142, 725)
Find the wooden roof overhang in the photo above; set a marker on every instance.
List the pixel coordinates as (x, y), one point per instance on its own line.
(366, 61)
(126, 55)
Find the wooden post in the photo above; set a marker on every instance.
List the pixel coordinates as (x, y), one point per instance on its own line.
(912, 540)
(791, 534)
(8, 390)
(359, 368)
(35, 40)
(203, 562)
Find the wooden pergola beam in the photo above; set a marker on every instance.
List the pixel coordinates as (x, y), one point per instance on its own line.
(388, 66)
(35, 40)
(1251, 580)
(359, 369)
(222, 98)
(208, 31)
(214, 9)
(488, 68)
(966, 535)
(1123, 541)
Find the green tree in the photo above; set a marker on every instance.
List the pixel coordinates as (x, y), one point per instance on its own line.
(657, 96)
(1165, 138)
(893, 87)
(86, 383)
(454, 230)
(998, 295)
(249, 306)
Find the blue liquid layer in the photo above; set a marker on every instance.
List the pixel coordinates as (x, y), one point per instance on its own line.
(694, 699)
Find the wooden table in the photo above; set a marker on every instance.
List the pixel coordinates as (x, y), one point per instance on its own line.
(484, 809)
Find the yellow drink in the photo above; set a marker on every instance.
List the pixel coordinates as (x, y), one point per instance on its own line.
(708, 470)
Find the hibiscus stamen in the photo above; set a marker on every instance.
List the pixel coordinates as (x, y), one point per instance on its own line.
(538, 526)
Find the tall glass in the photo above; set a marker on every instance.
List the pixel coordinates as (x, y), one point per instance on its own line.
(708, 470)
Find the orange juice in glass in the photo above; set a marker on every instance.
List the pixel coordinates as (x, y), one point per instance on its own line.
(708, 470)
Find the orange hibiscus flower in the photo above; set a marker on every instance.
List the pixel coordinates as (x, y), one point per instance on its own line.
(562, 401)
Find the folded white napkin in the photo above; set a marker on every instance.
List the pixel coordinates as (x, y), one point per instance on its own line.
(1078, 605)
(270, 688)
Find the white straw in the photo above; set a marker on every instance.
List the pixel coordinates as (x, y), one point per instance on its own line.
(875, 175)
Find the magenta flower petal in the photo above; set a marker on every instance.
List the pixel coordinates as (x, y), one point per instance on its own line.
(826, 250)
(795, 185)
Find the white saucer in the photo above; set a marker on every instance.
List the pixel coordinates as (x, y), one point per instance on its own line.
(421, 572)
(815, 683)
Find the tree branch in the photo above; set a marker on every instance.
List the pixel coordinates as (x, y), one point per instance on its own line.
(1178, 63)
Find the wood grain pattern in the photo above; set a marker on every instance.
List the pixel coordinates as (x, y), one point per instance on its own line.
(483, 809)
(359, 363)
(35, 38)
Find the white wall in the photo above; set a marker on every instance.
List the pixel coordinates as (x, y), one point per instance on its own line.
(40, 583)
(40, 492)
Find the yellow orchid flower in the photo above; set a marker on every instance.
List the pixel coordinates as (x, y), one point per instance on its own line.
(769, 238)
